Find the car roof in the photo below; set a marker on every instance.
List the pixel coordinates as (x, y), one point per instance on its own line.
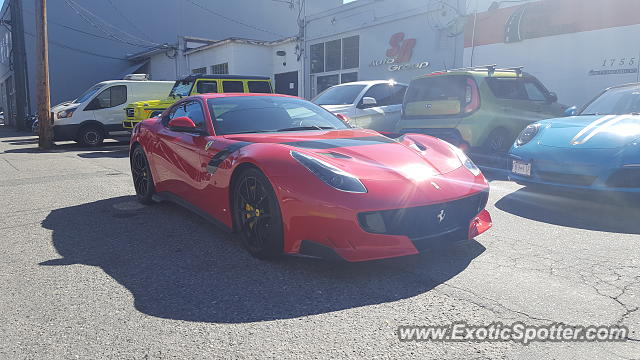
(370, 82)
(223, 77)
(480, 73)
(226, 95)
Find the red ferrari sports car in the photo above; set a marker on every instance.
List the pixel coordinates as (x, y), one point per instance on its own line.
(291, 178)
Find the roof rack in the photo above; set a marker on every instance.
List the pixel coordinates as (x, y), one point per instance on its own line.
(491, 69)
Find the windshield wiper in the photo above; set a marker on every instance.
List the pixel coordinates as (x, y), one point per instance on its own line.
(307, 128)
(250, 132)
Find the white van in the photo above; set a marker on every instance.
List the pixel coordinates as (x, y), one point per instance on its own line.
(99, 112)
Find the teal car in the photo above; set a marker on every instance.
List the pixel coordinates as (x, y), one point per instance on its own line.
(598, 148)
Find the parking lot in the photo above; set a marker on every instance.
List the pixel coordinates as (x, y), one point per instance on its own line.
(87, 272)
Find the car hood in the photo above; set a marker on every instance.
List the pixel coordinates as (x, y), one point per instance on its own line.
(64, 106)
(338, 108)
(154, 103)
(366, 153)
(590, 132)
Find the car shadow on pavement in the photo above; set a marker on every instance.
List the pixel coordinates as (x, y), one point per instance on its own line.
(579, 210)
(118, 148)
(178, 266)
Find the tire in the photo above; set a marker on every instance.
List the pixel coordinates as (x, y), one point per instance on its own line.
(91, 135)
(142, 177)
(256, 215)
(497, 142)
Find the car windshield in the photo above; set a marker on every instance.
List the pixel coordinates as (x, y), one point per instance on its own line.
(256, 114)
(181, 89)
(339, 95)
(618, 101)
(88, 94)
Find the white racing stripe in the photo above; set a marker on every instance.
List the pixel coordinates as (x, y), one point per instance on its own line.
(604, 127)
(590, 127)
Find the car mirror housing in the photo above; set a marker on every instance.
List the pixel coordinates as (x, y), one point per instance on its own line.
(368, 102)
(571, 111)
(182, 124)
(553, 97)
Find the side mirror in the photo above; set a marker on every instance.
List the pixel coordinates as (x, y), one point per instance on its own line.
(344, 118)
(183, 124)
(368, 102)
(553, 97)
(571, 111)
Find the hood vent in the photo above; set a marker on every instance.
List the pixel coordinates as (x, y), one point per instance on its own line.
(336, 155)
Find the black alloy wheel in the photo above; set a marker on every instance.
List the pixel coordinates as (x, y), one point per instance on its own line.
(142, 179)
(257, 216)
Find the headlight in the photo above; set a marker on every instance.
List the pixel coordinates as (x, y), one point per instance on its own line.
(66, 113)
(466, 162)
(527, 134)
(330, 174)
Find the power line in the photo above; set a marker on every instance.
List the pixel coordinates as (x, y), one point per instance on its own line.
(232, 20)
(78, 50)
(103, 26)
(126, 18)
(85, 32)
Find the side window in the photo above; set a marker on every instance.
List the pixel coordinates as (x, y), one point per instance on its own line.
(386, 95)
(118, 95)
(108, 98)
(397, 94)
(508, 88)
(207, 87)
(534, 92)
(178, 111)
(195, 113)
(259, 86)
(232, 87)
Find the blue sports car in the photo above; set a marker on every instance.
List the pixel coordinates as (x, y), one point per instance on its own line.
(597, 148)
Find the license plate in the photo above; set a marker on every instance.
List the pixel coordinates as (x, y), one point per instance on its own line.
(521, 168)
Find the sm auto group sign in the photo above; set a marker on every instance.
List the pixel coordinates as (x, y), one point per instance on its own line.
(398, 56)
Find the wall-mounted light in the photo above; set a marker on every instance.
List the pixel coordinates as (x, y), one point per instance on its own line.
(282, 53)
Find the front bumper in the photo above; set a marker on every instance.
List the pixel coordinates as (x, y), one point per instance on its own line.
(603, 177)
(407, 231)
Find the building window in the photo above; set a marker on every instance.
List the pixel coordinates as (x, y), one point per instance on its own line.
(202, 70)
(348, 77)
(317, 58)
(327, 81)
(351, 52)
(333, 57)
(220, 69)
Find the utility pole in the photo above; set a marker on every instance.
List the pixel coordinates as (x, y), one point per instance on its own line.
(42, 77)
(19, 63)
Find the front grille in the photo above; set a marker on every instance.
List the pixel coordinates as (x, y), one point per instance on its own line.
(426, 222)
(625, 178)
(130, 112)
(449, 135)
(566, 179)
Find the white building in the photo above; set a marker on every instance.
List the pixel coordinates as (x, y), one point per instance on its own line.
(276, 59)
(360, 40)
(575, 47)
(377, 40)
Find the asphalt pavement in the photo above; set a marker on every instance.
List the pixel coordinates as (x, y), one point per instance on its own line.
(88, 273)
